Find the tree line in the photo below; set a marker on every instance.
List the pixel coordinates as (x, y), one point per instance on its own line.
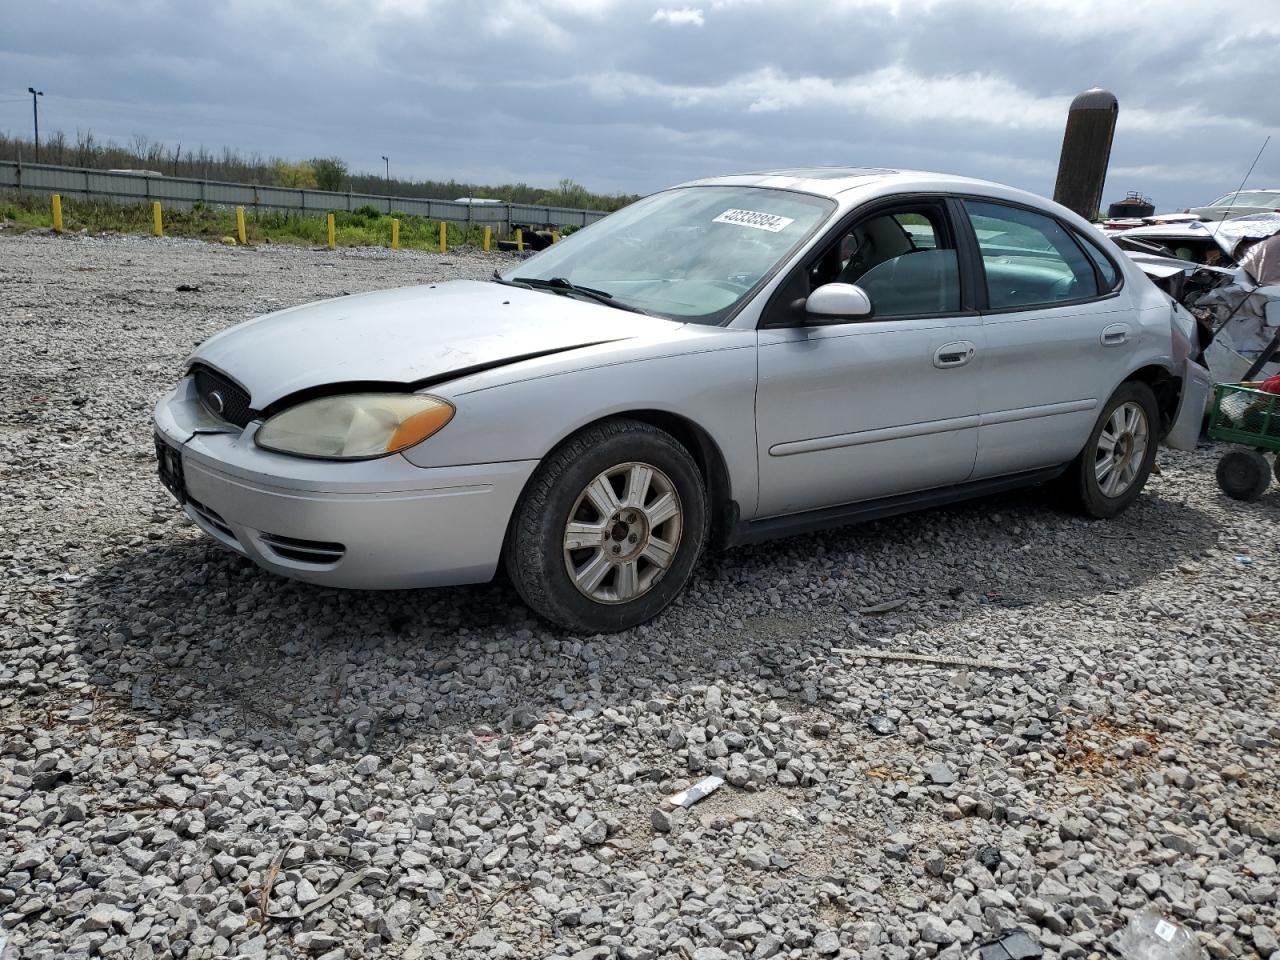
(318, 173)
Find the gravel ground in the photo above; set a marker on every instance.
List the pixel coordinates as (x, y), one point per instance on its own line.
(436, 773)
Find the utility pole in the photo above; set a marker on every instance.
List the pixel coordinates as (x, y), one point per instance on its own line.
(35, 114)
(388, 163)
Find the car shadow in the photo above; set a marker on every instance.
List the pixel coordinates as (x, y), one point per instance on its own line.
(186, 631)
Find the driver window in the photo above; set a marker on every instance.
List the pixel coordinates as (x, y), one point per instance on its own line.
(904, 259)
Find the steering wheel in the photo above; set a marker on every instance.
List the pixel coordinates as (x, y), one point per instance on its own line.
(738, 288)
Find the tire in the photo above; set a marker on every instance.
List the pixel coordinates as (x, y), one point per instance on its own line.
(623, 570)
(1244, 474)
(1128, 430)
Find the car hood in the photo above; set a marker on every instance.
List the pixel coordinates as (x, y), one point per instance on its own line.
(411, 336)
(1226, 233)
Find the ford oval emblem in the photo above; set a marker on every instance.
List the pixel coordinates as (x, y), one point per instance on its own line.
(216, 401)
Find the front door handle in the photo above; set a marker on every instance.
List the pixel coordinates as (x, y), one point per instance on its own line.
(1115, 334)
(954, 354)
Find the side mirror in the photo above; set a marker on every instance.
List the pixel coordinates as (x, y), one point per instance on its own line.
(836, 302)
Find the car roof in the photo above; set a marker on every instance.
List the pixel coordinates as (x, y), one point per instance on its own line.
(834, 181)
(849, 187)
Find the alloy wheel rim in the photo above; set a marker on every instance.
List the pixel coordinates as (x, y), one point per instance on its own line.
(623, 533)
(1121, 450)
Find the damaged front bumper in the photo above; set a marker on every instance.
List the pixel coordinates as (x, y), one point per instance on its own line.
(1193, 400)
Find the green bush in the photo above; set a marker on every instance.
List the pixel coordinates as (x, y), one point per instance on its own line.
(330, 172)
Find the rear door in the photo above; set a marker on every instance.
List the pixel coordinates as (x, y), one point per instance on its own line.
(880, 406)
(1059, 336)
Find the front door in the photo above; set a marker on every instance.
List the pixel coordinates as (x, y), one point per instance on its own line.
(886, 405)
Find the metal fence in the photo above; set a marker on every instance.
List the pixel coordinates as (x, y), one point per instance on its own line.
(183, 192)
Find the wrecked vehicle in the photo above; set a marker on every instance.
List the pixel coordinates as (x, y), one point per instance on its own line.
(1227, 274)
(823, 346)
(1178, 236)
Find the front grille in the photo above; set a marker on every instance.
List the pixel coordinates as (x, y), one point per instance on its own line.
(222, 397)
(319, 552)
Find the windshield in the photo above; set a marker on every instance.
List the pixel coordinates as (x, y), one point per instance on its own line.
(688, 254)
(1254, 198)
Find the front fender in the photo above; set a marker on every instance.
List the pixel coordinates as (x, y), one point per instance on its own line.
(526, 419)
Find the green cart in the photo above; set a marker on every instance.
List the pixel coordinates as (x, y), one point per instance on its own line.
(1248, 416)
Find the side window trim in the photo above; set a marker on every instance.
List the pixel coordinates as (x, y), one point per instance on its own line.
(973, 275)
(986, 309)
(972, 286)
(1083, 241)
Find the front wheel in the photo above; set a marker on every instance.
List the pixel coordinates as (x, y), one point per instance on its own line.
(1114, 465)
(609, 528)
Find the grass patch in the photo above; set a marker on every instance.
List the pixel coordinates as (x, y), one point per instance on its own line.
(362, 227)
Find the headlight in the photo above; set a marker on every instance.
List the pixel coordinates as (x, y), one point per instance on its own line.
(357, 426)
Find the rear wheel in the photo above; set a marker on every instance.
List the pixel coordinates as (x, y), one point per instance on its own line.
(1244, 474)
(1112, 469)
(609, 528)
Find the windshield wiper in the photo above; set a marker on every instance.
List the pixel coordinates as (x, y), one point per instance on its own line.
(499, 278)
(560, 283)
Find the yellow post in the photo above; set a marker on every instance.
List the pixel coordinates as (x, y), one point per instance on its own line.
(395, 234)
(240, 235)
(555, 236)
(333, 237)
(519, 240)
(488, 232)
(57, 214)
(157, 224)
(443, 236)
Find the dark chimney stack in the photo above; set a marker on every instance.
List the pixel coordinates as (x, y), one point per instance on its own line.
(1086, 150)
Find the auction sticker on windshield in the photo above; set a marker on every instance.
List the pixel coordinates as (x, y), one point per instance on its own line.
(752, 218)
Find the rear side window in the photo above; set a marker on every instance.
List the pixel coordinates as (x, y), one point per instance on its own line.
(1030, 260)
(1106, 269)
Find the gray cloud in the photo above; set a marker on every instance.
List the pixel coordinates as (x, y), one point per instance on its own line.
(631, 96)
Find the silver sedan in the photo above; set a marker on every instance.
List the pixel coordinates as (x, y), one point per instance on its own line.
(1238, 204)
(728, 360)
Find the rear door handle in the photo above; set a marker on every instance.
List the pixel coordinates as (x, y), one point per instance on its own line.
(955, 354)
(1115, 334)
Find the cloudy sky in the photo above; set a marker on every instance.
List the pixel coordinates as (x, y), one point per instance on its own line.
(629, 95)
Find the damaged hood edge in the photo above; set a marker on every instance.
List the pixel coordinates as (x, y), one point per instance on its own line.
(411, 336)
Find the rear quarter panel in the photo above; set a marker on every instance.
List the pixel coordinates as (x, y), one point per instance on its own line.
(1154, 346)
